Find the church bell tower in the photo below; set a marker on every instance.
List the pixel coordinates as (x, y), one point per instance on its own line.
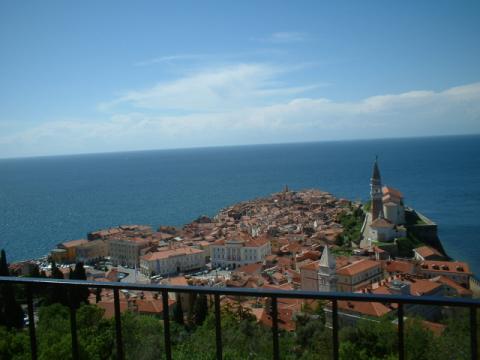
(376, 192)
(327, 278)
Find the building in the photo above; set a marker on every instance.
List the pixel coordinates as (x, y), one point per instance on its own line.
(320, 275)
(454, 270)
(172, 261)
(241, 249)
(414, 287)
(127, 251)
(393, 207)
(382, 230)
(68, 250)
(92, 251)
(387, 212)
(427, 253)
(358, 275)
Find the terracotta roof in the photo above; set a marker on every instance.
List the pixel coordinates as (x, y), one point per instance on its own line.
(454, 285)
(436, 328)
(285, 319)
(445, 266)
(177, 280)
(358, 267)
(152, 306)
(314, 265)
(250, 268)
(165, 254)
(421, 287)
(74, 243)
(109, 308)
(398, 266)
(387, 190)
(426, 251)
(366, 308)
(381, 223)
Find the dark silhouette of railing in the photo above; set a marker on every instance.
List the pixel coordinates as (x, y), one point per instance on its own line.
(334, 297)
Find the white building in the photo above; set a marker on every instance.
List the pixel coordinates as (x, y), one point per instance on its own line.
(393, 207)
(382, 230)
(241, 249)
(172, 261)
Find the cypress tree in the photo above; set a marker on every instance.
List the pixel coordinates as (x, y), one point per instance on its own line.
(178, 311)
(200, 309)
(3, 264)
(56, 294)
(79, 294)
(11, 313)
(98, 295)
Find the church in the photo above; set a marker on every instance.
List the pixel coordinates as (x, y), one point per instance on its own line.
(387, 215)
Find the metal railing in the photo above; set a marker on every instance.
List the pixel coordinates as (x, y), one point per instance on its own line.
(334, 297)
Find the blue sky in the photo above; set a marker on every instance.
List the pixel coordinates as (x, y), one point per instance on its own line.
(98, 76)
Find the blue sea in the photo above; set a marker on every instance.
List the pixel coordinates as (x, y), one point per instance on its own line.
(47, 200)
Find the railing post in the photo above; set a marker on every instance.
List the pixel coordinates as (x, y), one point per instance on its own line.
(73, 323)
(166, 325)
(31, 323)
(473, 333)
(118, 324)
(401, 348)
(218, 328)
(335, 328)
(276, 352)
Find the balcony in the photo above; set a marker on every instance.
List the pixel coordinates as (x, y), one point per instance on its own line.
(402, 302)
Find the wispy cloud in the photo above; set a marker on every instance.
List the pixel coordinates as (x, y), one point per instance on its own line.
(169, 59)
(284, 37)
(413, 113)
(229, 87)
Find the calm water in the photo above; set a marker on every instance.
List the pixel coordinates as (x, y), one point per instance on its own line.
(47, 200)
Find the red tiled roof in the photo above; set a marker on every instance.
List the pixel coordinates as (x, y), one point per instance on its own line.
(454, 285)
(426, 251)
(398, 266)
(445, 266)
(74, 243)
(381, 223)
(358, 267)
(366, 308)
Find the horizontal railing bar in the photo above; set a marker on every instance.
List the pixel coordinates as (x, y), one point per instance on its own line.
(286, 294)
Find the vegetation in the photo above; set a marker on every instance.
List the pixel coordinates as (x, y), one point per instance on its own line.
(367, 206)
(11, 313)
(405, 246)
(352, 225)
(242, 336)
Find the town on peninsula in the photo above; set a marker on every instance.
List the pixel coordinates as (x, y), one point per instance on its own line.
(291, 240)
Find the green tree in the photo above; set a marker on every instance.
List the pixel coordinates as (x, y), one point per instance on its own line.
(55, 294)
(79, 295)
(376, 339)
(200, 309)
(178, 311)
(14, 345)
(11, 313)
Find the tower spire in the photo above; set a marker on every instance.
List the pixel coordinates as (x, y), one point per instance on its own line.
(327, 279)
(376, 191)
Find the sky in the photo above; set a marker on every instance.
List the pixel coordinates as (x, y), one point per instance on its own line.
(104, 76)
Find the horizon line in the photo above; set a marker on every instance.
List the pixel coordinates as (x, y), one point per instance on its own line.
(25, 157)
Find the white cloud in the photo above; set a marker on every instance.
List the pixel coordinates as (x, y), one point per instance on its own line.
(245, 104)
(229, 87)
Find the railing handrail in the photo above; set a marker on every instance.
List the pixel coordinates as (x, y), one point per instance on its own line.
(287, 294)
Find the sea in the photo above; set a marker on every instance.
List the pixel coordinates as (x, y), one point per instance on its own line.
(48, 200)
